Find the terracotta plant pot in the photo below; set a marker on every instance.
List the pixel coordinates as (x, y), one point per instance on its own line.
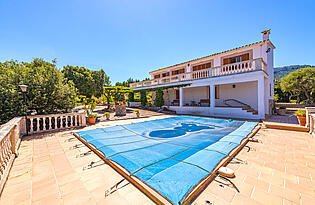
(107, 117)
(302, 120)
(138, 114)
(92, 120)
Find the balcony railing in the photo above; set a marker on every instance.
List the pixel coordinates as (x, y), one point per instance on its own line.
(235, 68)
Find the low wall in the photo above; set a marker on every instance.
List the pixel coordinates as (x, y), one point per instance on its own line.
(134, 104)
(292, 105)
(12, 132)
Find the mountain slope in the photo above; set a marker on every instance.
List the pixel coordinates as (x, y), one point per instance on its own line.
(283, 71)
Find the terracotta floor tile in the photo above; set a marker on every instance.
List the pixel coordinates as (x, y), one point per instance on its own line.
(257, 183)
(224, 192)
(76, 197)
(241, 199)
(266, 198)
(52, 199)
(70, 187)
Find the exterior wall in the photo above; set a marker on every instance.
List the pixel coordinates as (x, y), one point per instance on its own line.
(169, 95)
(195, 94)
(245, 92)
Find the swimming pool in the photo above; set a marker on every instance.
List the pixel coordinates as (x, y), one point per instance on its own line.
(171, 155)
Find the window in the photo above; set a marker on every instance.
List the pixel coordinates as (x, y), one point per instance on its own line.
(156, 76)
(165, 74)
(239, 58)
(202, 66)
(178, 71)
(270, 89)
(177, 94)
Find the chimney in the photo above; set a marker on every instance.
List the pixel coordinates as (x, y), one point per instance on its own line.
(265, 34)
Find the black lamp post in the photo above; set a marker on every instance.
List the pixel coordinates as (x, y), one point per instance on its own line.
(24, 90)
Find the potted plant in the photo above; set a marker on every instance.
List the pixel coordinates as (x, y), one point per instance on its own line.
(89, 108)
(282, 110)
(137, 112)
(301, 115)
(107, 115)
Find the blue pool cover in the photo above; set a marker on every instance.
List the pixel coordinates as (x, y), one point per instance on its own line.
(171, 155)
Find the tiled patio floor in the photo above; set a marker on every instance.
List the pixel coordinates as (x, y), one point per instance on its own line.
(279, 170)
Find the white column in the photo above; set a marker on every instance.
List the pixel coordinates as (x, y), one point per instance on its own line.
(212, 96)
(181, 97)
(261, 98)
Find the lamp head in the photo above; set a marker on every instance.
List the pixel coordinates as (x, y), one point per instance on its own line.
(23, 88)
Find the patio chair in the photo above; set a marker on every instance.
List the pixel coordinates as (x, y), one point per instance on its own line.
(204, 102)
(175, 103)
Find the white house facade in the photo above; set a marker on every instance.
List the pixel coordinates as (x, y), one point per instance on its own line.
(237, 83)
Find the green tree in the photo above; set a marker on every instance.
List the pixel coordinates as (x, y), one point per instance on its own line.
(159, 101)
(115, 93)
(131, 97)
(300, 83)
(280, 96)
(48, 90)
(143, 97)
(88, 83)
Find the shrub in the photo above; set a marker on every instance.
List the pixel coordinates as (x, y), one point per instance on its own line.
(301, 113)
(159, 101)
(143, 97)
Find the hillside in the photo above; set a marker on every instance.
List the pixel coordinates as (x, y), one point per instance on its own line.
(285, 70)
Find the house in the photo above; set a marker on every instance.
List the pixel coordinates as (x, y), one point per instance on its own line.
(235, 83)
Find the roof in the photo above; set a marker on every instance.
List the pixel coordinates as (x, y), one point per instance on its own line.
(214, 54)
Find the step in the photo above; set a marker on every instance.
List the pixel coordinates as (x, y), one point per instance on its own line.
(285, 126)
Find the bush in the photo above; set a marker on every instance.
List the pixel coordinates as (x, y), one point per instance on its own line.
(143, 97)
(159, 101)
(131, 97)
(301, 113)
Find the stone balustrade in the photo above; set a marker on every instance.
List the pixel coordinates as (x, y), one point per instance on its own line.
(44, 123)
(229, 69)
(12, 132)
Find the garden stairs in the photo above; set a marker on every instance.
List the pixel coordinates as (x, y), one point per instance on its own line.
(242, 105)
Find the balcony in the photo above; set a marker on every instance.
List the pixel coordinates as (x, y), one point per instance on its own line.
(230, 69)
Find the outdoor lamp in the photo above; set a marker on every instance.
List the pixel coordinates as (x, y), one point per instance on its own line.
(24, 90)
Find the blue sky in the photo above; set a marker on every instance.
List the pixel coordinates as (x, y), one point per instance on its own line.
(129, 38)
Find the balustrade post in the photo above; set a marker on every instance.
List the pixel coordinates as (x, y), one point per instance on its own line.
(31, 125)
(44, 123)
(49, 119)
(37, 124)
(13, 139)
(56, 121)
(83, 119)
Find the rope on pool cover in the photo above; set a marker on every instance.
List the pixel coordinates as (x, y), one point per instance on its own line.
(174, 144)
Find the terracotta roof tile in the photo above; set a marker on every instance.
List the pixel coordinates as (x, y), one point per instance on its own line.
(258, 42)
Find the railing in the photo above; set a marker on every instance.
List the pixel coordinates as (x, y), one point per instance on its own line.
(230, 69)
(234, 100)
(9, 142)
(12, 131)
(44, 123)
